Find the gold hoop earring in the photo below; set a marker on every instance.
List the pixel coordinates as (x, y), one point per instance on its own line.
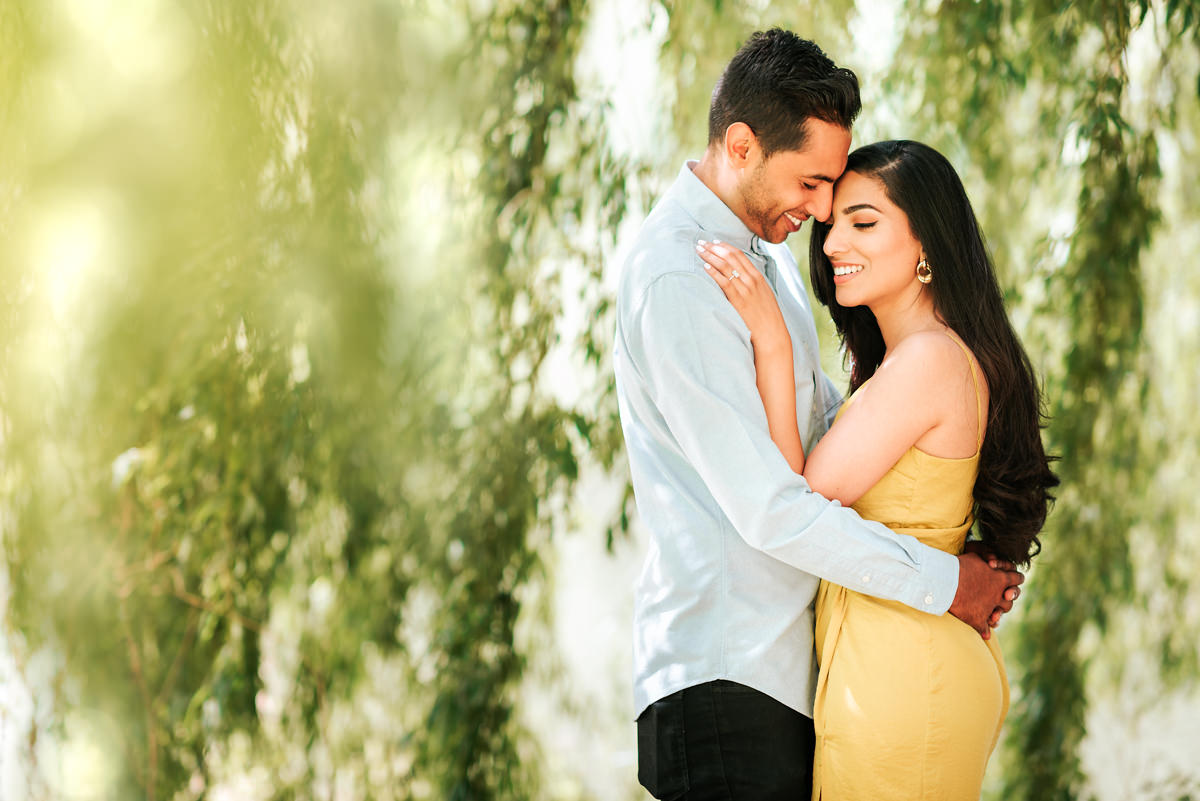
(924, 271)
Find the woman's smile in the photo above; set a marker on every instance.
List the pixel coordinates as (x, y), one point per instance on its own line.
(844, 272)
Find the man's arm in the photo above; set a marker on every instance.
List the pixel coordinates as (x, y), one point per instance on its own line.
(831, 392)
(693, 352)
(887, 432)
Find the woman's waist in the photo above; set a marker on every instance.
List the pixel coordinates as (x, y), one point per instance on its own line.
(876, 622)
(949, 539)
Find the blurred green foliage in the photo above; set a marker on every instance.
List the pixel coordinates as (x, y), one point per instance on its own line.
(276, 459)
(1025, 90)
(282, 443)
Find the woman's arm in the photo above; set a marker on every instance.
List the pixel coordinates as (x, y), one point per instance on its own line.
(921, 395)
(773, 365)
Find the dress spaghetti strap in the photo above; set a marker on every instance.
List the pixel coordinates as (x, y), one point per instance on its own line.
(974, 380)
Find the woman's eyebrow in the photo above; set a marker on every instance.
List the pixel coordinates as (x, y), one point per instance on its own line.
(859, 207)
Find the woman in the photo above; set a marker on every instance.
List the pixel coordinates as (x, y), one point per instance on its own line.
(942, 431)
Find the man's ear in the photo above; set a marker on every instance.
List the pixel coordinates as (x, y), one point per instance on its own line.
(741, 145)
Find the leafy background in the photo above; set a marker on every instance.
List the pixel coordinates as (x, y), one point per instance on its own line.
(311, 484)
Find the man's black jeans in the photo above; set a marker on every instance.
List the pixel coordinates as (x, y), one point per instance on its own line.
(722, 741)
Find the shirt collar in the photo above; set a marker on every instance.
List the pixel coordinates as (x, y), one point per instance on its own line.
(711, 213)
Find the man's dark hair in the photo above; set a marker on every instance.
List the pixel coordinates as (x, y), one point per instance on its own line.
(774, 84)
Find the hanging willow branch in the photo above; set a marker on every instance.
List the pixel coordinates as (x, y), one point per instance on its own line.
(981, 68)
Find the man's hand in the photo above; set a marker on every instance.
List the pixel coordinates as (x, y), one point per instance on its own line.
(1011, 594)
(984, 592)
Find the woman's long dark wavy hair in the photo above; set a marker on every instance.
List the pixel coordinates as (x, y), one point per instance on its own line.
(1012, 489)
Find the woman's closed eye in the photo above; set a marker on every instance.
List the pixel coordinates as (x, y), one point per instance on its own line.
(864, 225)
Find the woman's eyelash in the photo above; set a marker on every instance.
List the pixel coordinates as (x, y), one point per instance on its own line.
(864, 225)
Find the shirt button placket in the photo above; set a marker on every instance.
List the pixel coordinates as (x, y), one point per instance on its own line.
(768, 269)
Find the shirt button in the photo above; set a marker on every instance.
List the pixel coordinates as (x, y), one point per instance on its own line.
(929, 599)
(866, 579)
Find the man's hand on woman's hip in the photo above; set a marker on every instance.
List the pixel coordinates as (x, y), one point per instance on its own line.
(987, 588)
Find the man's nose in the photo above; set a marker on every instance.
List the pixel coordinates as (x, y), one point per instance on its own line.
(820, 205)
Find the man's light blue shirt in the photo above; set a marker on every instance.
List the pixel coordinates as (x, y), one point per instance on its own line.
(738, 542)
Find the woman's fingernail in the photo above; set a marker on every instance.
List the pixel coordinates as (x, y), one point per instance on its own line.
(701, 241)
(699, 248)
(716, 241)
(707, 266)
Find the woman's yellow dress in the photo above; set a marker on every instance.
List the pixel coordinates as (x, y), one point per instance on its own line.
(909, 705)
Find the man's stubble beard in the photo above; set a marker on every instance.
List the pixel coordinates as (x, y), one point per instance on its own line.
(756, 210)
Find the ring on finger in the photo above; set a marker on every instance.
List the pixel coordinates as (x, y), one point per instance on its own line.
(735, 274)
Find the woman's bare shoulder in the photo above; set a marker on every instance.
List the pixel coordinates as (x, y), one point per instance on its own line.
(934, 371)
(930, 357)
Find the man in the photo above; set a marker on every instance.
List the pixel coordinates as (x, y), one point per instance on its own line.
(723, 651)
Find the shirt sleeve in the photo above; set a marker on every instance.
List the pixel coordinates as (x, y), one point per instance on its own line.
(833, 398)
(694, 353)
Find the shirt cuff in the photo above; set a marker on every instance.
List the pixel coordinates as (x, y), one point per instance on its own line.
(939, 581)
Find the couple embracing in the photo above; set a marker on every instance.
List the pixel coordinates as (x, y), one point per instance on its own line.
(810, 618)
